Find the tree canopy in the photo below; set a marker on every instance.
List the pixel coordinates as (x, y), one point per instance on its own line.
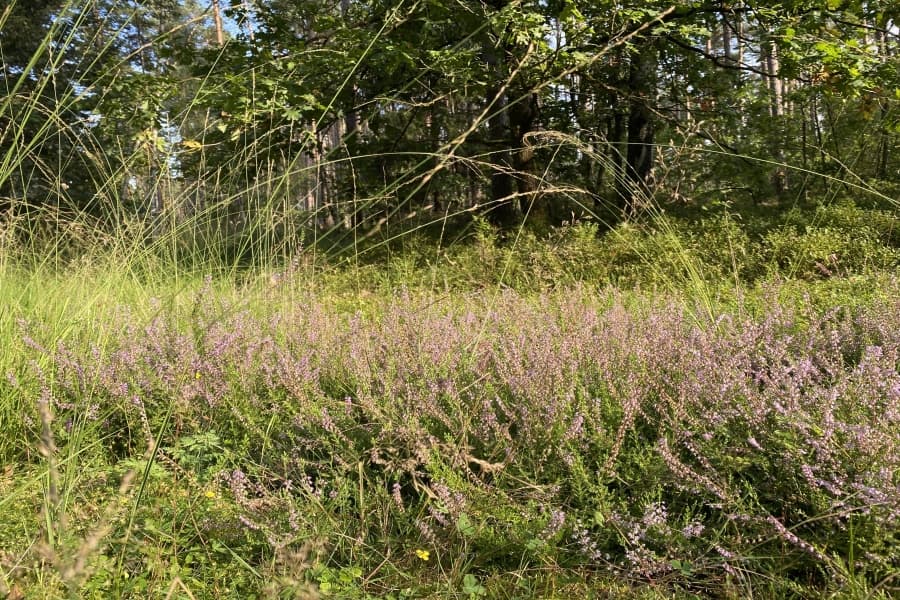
(350, 111)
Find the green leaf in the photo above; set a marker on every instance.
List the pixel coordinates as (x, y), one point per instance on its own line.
(571, 12)
(683, 566)
(472, 587)
(464, 525)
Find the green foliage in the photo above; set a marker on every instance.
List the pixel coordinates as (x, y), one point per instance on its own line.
(717, 246)
(315, 116)
(834, 240)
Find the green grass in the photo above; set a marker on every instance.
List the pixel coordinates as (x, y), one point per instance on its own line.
(71, 529)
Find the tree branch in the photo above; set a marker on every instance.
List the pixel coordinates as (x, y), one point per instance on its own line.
(716, 60)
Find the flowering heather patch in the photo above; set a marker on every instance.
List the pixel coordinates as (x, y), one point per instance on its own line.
(617, 438)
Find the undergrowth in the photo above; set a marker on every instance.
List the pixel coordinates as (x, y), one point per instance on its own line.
(352, 431)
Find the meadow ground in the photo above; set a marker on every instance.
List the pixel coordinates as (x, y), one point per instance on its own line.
(697, 410)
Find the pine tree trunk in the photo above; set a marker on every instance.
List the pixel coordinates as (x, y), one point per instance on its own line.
(217, 18)
(776, 111)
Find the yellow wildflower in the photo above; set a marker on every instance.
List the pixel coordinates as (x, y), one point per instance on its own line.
(423, 554)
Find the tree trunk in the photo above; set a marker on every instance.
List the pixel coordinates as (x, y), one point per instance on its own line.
(506, 211)
(217, 18)
(634, 189)
(523, 117)
(776, 111)
(351, 119)
(726, 39)
(881, 168)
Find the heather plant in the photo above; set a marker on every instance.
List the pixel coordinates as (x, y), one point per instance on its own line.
(622, 438)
